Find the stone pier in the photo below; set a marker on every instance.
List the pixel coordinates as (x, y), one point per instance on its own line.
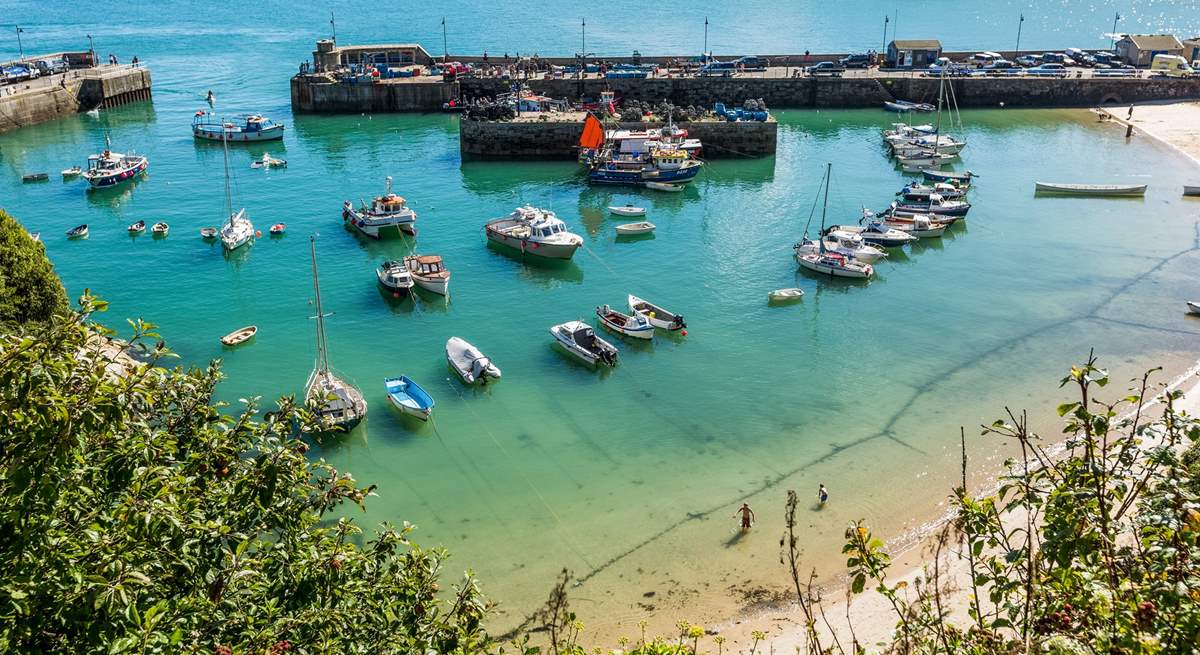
(46, 98)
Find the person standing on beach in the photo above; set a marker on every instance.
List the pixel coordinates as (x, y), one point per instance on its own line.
(1130, 116)
(822, 494)
(747, 516)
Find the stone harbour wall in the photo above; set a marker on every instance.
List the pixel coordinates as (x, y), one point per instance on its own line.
(46, 102)
(558, 139)
(316, 94)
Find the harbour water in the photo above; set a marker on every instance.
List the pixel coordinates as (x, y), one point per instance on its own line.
(627, 477)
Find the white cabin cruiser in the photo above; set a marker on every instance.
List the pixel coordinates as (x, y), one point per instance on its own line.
(534, 231)
(385, 215)
(843, 242)
(580, 340)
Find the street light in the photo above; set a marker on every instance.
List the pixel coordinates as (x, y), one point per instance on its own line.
(20, 47)
(583, 50)
(92, 49)
(445, 50)
(704, 53)
(1113, 41)
(1017, 52)
(885, 24)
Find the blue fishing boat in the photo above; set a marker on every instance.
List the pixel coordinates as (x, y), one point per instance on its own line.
(661, 165)
(409, 397)
(109, 168)
(244, 129)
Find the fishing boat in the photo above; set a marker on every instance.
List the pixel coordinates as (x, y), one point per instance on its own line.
(630, 229)
(582, 342)
(108, 169)
(850, 244)
(408, 397)
(658, 316)
(826, 261)
(628, 210)
(936, 205)
(386, 215)
(337, 404)
(268, 161)
(1193, 307)
(78, 232)
(429, 273)
(534, 231)
(672, 166)
(35, 177)
(72, 171)
(137, 228)
(395, 278)
(636, 325)
(240, 335)
(237, 230)
(643, 141)
(1129, 190)
(208, 233)
(665, 186)
(278, 229)
(1189, 190)
(253, 127)
(471, 365)
(160, 229)
(785, 295)
(961, 180)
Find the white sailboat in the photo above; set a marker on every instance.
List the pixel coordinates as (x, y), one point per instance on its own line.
(834, 264)
(238, 230)
(337, 404)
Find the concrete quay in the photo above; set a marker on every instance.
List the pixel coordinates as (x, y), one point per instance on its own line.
(558, 135)
(55, 96)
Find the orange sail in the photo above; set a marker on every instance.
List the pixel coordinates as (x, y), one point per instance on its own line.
(593, 133)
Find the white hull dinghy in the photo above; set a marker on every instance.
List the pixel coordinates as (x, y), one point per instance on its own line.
(785, 295)
(240, 336)
(1128, 190)
(665, 186)
(72, 171)
(208, 233)
(630, 229)
(137, 228)
(580, 340)
(636, 326)
(408, 397)
(471, 365)
(1193, 307)
(628, 210)
(394, 277)
(429, 273)
(160, 229)
(78, 232)
(658, 317)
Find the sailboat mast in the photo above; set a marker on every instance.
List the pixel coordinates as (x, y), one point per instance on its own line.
(825, 206)
(322, 351)
(228, 194)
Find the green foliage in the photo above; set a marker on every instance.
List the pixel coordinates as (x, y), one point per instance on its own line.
(30, 292)
(135, 516)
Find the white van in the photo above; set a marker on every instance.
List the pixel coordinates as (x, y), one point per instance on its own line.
(1171, 66)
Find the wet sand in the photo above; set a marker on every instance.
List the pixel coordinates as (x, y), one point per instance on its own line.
(1174, 124)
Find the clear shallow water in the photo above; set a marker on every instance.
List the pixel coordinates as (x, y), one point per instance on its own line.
(627, 477)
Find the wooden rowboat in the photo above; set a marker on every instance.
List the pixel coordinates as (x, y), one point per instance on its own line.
(628, 210)
(665, 186)
(1092, 189)
(137, 228)
(636, 228)
(784, 295)
(240, 335)
(208, 232)
(160, 229)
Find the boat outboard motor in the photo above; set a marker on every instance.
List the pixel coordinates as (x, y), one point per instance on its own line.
(679, 322)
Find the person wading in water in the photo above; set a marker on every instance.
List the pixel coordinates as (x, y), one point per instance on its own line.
(747, 516)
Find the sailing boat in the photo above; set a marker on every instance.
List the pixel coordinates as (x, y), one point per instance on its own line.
(336, 403)
(239, 230)
(917, 151)
(834, 264)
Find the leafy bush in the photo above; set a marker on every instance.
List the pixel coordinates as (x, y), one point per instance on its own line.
(30, 292)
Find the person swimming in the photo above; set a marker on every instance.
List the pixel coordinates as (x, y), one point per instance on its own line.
(747, 516)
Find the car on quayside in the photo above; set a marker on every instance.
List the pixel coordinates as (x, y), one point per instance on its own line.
(825, 69)
(1048, 70)
(950, 68)
(999, 68)
(1029, 61)
(855, 60)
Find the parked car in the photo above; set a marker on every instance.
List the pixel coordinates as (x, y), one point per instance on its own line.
(1116, 71)
(1106, 58)
(1080, 57)
(1001, 67)
(752, 63)
(1029, 60)
(1047, 70)
(51, 66)
(17, 73)
(718, 69)
(855, 60)
(951, 69)
(1171, 66)
(825, 69)
(981, 59)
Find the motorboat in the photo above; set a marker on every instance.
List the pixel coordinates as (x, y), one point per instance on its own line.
(408, 397)
(635, 325)
(582, 342)
(108, 169)
(961, 180)
(835, 264)
(658, 316)
(785, 295)
(917, 192)
(1130, 190)
(628, 210)
(35, 177)
(904, 106)
(337, 404)
(243, 129)
(278, 229)
(208, 233)
(268, 161)
(137, 228)
(160, 229)
(1193, 307)
(935, 205)
(923, 160)
(876, 233)
(72, 171)
(240, 335)
(908, 217)
(78, 232)
(921, 226)
(471, 365)
(394, 277)
(534, 231)
(385, 215)
(665, 186)
(429, 273)
(662, 165)
(630, 229)
(843, 242)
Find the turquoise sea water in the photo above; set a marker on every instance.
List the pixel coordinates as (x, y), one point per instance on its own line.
(628, 477)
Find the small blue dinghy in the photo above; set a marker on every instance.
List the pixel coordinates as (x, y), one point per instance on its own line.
(409, 397)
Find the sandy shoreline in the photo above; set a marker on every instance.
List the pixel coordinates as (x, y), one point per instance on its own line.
(1172, 124)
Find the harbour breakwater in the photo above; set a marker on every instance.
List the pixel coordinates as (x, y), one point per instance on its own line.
(84, 89)
(318, 94)
(558, 138)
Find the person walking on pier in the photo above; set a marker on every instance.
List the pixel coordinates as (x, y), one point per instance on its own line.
(1130, 116)
(747, 516)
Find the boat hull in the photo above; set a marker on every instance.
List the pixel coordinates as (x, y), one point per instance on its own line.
(1132, 190)
(378, 228)
(635, 228)
(1191, 190)
(817, 266)
(604, 175)
(664, 186)
(117, 178)
(529, 247)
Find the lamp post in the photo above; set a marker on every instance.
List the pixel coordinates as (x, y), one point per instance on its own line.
(583, 49)
(445, 50)
(333, 28)
(92, 49)
(1113, 41)
(20, 47)
(1020, 23)
(704, 53)
(885, 25)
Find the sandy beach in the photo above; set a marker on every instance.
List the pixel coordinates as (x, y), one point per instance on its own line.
(1173, 124)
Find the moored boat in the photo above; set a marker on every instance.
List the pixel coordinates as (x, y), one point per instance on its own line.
(72, 171)
(935, 204)
(663, 165)
(582, 342)
(835, 264)
(387, 214)
(237, 230)
(904, 106)
(469, 362)
(1129, 190)
(919, 225)
(108, 169)
(35, 177)
(534, 231)
(876, 233)
(636, 325)
(962, 180)
(78, 232)
(137, 228)
(240, 335)
(850, 244)
(785, 295)
(208, 232)
(268, 161)
(1193, 307)
(395, 278)
(630, 229)
(408, 397)
(160, 229)
(337, 404)
(278, 229)
(658, 316)
(664, 186)
(253, 127)
(628, 210)
(429, 272)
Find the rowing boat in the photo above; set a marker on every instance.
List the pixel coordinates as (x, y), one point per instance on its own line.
(1092, 189)
(240, 335)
